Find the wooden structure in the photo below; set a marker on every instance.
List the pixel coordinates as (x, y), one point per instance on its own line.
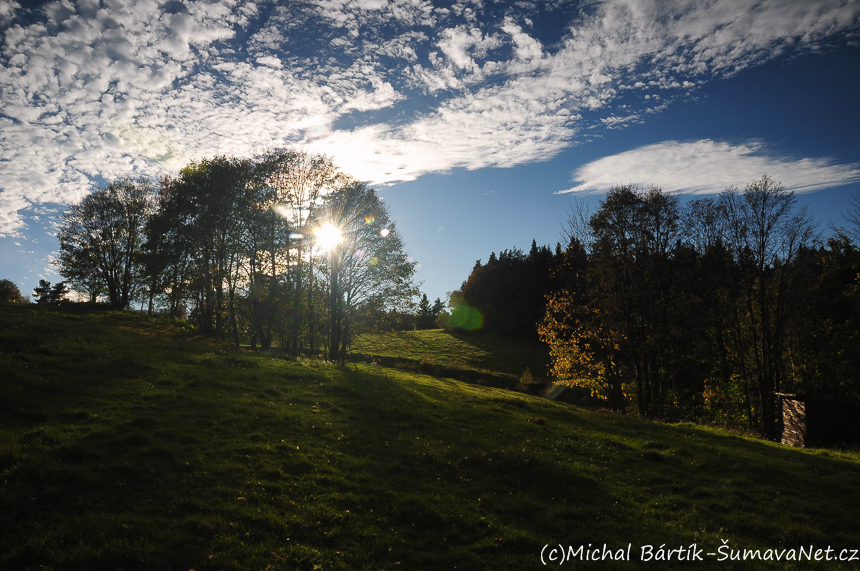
(818, 423)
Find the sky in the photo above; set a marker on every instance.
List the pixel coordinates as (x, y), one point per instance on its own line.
(480, 122)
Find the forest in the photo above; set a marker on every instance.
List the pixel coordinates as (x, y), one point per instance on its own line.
(700, 311)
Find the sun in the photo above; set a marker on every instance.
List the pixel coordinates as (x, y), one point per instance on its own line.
(328, 236)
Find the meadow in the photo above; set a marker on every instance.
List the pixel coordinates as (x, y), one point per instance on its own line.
(134, 443)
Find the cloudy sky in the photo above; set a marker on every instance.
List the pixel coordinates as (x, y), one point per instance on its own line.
(480, 121)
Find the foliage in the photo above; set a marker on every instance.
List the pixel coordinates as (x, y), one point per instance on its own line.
(707, 309)
(584, 353)
(101, 238)
(507, 292)
(460, 316)
(46, 294)
(443, 321)
(229, 245)
(10, 293)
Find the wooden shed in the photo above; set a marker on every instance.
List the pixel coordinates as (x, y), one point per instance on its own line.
(818, 423)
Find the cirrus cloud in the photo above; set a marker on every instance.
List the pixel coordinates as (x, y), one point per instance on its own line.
(706, 167)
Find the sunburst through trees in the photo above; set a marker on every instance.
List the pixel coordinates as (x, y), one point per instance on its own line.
(284, 249)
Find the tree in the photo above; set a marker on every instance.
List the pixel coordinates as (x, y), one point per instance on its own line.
(825, 363)
(194, 241)
(48, 294)
(299, 180)
(630, 283)
(461, 316)
(436, 310)
(10, 293)
(510, 291)
(585, 348)
(42, 292)
(852, 217)
(366, 269)
(766, 235)
(705, 291)
(166, 251)
(58, 292)
(426, 319)
(101, 238)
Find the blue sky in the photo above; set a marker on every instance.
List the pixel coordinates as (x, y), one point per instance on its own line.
(478, 121)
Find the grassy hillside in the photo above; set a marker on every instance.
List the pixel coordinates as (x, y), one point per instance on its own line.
(494, 360)
(130, 444)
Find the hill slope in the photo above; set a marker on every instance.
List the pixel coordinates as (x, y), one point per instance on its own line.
(488, 359)
(129, 444)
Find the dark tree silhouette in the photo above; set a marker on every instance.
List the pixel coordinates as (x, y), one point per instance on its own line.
(101, 241)
(10, 293)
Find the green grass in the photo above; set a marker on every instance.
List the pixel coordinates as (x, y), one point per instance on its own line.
(129, 444)
(496, 360)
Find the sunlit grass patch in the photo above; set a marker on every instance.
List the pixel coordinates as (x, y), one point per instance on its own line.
(452, 352)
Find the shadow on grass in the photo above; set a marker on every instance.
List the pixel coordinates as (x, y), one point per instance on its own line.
(155, 453)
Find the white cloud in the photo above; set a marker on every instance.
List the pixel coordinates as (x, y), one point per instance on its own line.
(142, 86)
(615, 122)
(357, 15)
(706, 167)
(270, 61)
(7, 10)
(456, 43)
(525, 47)
(535, 111)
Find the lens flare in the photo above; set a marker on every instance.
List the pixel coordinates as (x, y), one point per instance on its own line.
(467, 317)
(384, 232)
(328, 236)
(369, 219)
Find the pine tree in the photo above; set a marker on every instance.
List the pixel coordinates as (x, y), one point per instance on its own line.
(437, 308)
(43, 292)
(425, 314)
(48, 294)
(58, 292)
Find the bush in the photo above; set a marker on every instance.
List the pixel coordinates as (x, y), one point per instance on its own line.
(529, 384)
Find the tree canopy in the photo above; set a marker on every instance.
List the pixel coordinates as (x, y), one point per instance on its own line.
(230, 245)
(10, 293)
(100, 240)
(703, 309)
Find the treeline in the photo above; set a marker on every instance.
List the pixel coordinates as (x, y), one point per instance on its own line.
(508, 293)
(702, 311)
(282, 249)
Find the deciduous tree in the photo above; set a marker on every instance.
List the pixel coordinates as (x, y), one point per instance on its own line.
(9, 292)
(366, 267)
(766, 233)
(101, 238)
